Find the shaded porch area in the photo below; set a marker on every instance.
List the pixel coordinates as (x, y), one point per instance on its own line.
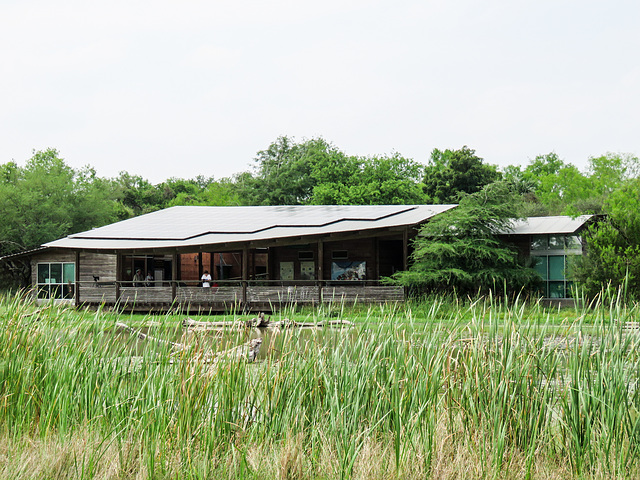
(252, 277)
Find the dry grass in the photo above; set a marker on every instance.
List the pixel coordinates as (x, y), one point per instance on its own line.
(460, 459)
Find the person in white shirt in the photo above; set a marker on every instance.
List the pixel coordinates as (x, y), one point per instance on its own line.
(206, 279)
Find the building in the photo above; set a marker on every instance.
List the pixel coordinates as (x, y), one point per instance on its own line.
(263, 257)
(551, 243)
(259, 257)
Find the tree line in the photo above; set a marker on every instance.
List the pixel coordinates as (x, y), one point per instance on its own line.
(47, 199)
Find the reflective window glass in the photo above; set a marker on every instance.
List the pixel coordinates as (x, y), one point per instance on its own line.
(556, 242)
(43, 272)
(56, 280)
(56, 273)
(539, 242)
(556, 290)
(556, 267)
(68, 272)
(572, 242)
(540, 266)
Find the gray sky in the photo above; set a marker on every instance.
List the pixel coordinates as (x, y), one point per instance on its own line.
(167, 88)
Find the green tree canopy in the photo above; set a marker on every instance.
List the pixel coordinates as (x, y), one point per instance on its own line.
(560, 188)
(46, 199)
(315, 172)
(451, 173)
(460, 250)
(613, 245)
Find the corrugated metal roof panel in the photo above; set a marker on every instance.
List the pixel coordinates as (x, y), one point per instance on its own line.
(545, 225)
(180, 223)
(193, 226)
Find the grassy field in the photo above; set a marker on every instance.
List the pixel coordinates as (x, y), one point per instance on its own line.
(443, 388)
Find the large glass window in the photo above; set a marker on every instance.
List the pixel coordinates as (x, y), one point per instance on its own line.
(553, 270)
(56, 280)
(552, 259)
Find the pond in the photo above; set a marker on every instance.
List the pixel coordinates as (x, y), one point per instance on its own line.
(136, 341)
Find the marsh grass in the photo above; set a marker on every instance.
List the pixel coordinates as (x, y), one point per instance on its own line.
(440, 389)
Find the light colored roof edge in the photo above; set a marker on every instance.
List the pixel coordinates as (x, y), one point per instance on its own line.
(25, 252)
(560, 224)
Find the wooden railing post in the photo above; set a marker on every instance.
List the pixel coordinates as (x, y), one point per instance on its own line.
(174, 276)
(245, 274)
(77, 279)
(320, 269)
(118, 276)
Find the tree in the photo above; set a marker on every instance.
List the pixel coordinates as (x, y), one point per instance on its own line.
(47, 199)
(377, 180)
(315, 172)
(563, 190)
(284, 172)
(613, 245)
(451, 173)
(461, 250)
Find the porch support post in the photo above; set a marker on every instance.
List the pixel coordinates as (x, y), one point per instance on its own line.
(405, 248)
(376, 255)
(200, 272)
(118, 275)
(320, 269)
(245, 273)
(77, 278)
(174, 275)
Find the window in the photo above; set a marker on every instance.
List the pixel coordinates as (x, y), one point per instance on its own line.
(556, 242)
(552, 257)
(555, 275)
(339, 255)
(56, 280)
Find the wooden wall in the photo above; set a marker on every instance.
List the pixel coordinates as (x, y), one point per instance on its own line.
(97, 264)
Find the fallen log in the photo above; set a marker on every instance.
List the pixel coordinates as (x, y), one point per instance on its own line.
(286, 323)
(262, 322)
(196, 325)
(144, 336)
(248, 351)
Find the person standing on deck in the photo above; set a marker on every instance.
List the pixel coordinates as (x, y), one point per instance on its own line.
(138, 279)
(206, 279)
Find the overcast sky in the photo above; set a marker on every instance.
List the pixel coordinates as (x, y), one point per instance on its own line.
(183, 88)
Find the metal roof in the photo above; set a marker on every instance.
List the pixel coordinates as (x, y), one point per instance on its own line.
(194, 226)
(543, 225)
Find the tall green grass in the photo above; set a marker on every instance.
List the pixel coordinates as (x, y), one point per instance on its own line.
(442, 389)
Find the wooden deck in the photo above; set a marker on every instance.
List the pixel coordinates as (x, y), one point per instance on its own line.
(263, 295)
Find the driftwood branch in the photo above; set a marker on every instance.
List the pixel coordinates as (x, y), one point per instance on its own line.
(144, 336)
(248, 351)
(261, 322)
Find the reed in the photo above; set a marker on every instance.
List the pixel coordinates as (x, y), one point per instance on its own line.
(447, 388)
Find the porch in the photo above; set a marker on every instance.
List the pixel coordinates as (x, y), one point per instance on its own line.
(227, 295)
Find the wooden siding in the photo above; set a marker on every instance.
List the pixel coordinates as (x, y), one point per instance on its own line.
(97, 265)
(144, 295)
(227, 297)
(208, 296)
(363, 294)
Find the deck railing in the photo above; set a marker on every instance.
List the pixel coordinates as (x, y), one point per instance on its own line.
(228, 293)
